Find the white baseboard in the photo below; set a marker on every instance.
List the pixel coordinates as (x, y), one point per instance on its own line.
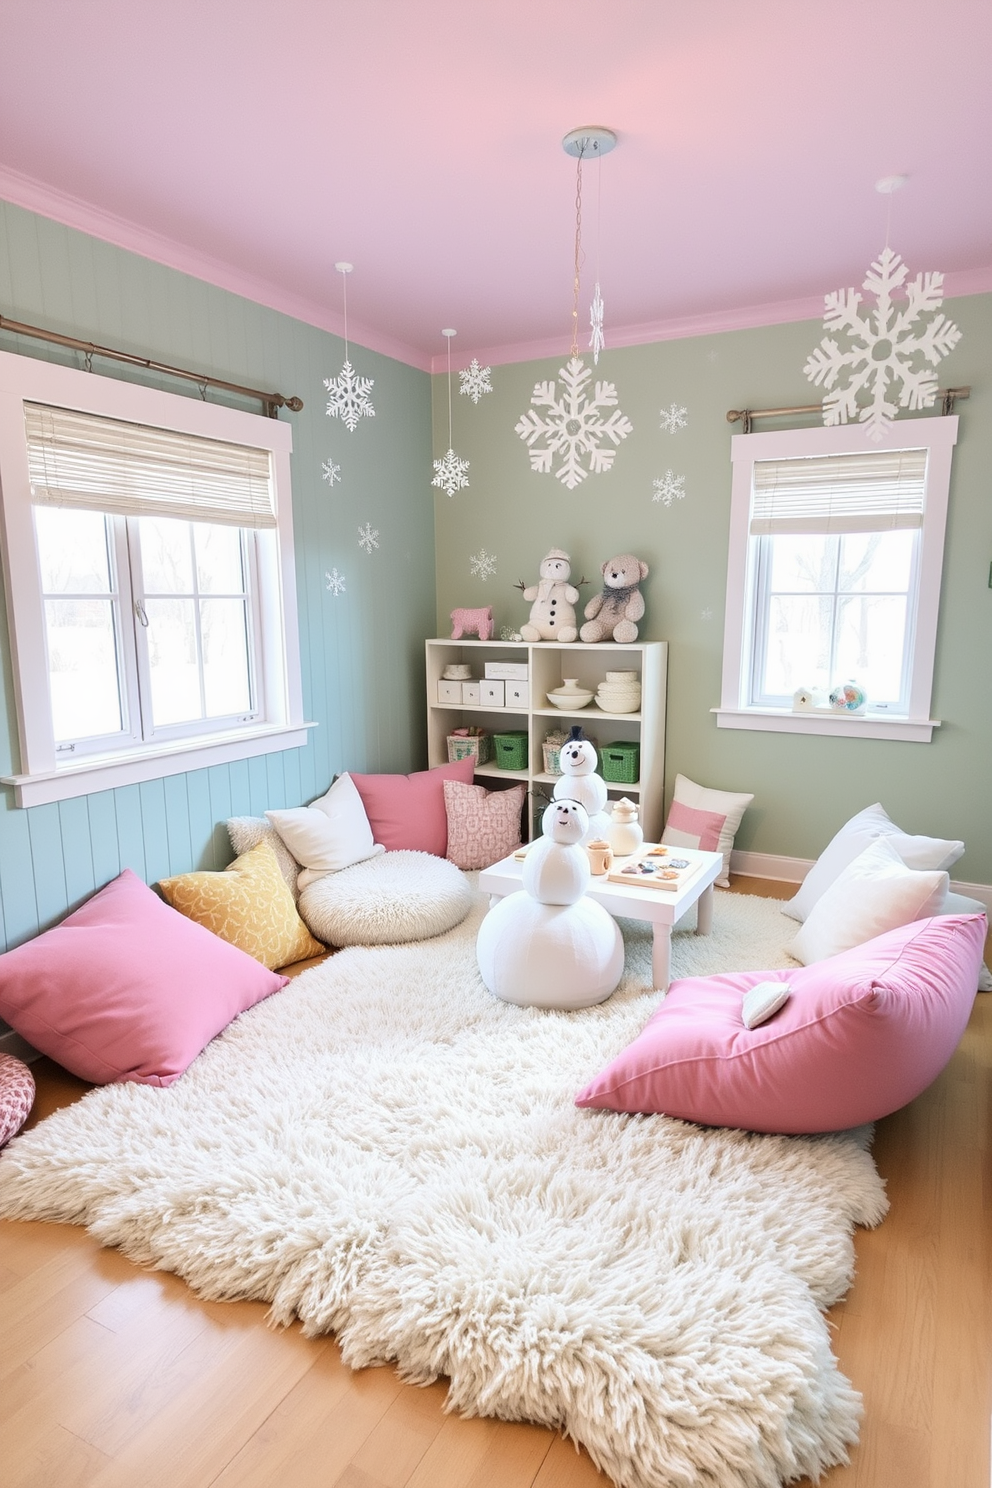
(794, 870)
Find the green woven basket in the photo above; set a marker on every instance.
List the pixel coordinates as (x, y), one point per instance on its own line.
(511, 749)
(619, 763)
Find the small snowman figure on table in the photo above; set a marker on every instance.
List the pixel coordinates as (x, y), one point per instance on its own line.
(548, 945)
(577, 761)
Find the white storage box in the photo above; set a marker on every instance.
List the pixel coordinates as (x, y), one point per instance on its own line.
(517, 694)
(493, 694)
(449, 692)
(471, 692)
(515, 669)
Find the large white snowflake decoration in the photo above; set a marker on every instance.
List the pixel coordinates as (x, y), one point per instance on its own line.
(331, 472)
(597, 340)
(670, 487)
(573, 425)
(450, 473)
(475, 380)
(368, 537)
(349, 400)
(883, 349)
(482, 564)
(674, 418)
(335, 582)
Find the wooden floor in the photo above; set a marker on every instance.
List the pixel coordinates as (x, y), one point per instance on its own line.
(114, 1377)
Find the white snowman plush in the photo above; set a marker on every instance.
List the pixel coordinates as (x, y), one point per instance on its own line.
(577, 761)
(552, 613)
(550, 945)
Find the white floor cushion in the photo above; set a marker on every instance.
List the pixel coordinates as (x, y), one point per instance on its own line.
(397, 897)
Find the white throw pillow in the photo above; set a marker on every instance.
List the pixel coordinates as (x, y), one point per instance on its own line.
(330, 834)
(852, 839)
(875, 893)
(706, 819)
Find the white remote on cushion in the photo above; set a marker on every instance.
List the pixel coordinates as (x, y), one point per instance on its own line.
(763, 1001)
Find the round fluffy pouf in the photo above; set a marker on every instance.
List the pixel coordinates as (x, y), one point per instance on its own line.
(549, 955)
(396, 897)
(16, 1095)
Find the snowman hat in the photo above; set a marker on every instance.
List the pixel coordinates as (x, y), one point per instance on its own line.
(556, 553)
(575, 735)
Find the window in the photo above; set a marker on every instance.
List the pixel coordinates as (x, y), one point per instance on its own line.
(149, 563)
(834, 576)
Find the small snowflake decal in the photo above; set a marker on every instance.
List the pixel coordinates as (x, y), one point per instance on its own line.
(669, 488)
(450, 473)
(368, 537)
(597, 341)
(706, 614)
(573, 425)
(349, 400)
(883, 349)
(482, 564)
(475, 380)
(335, 582)
(675, 418)
(331, 472)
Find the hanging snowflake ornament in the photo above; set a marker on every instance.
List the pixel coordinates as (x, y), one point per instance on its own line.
(368, 537)
(573, 425)
(349, 400)
(597, 341)
(670, 487)
(674, 418)
(331, 472)
(482, 565)
(335, 582)
(895, 345)
(475, 380)
(450, 473)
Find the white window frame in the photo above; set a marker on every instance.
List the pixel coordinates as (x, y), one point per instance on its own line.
(938, 436)
(44, 776)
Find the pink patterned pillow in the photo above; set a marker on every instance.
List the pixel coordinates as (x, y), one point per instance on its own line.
(705, 819)
(483, 826)
(16, 1096)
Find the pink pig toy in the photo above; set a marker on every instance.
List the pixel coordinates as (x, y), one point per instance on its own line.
(472, 622)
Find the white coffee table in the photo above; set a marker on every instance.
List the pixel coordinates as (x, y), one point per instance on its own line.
(660, 907)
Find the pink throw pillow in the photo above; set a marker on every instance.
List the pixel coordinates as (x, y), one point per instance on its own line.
(483, 825)
(127, 988)
(406, 812)
(863, 1033)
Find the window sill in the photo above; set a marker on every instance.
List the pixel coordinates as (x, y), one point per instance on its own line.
(85, 776)
(835, 725)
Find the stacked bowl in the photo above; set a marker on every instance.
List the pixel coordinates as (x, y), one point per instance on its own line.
(620, 693)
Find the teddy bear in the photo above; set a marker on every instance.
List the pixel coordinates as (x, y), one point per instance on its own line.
(613, 614)
(552, 613)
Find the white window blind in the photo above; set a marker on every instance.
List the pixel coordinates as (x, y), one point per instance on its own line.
(101, 464)
(872, 492)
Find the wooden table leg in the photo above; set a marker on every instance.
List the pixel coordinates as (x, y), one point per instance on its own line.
(661, 957)
(704, 912)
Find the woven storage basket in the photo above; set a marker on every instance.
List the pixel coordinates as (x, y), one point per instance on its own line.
(552, 759)
(619, 762)
(469, 746)
(511, 749)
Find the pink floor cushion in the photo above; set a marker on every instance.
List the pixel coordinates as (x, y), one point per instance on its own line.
(862, 1034)
(16, 1096)
(127, 988)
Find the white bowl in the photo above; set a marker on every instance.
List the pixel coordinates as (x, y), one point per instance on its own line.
(572, 699)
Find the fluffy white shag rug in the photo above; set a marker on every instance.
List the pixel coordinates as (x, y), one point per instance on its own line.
(387, 1151)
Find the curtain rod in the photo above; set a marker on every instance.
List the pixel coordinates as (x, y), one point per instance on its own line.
(270, 401)
(947, 396)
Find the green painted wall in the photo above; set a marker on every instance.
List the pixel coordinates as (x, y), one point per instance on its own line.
(804, 787)
(362, 652)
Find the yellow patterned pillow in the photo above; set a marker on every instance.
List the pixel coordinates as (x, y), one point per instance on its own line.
(249, 905)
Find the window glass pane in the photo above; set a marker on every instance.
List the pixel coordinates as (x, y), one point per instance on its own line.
(797, 653)
(225, 657)
(877, 561)
(172, 661)
(72, 550)
(82, 668)
(802, 563)
(218, 559)
(166, 556)
(870, 642)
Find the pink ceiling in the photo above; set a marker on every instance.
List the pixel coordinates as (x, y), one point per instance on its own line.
(254, 144)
